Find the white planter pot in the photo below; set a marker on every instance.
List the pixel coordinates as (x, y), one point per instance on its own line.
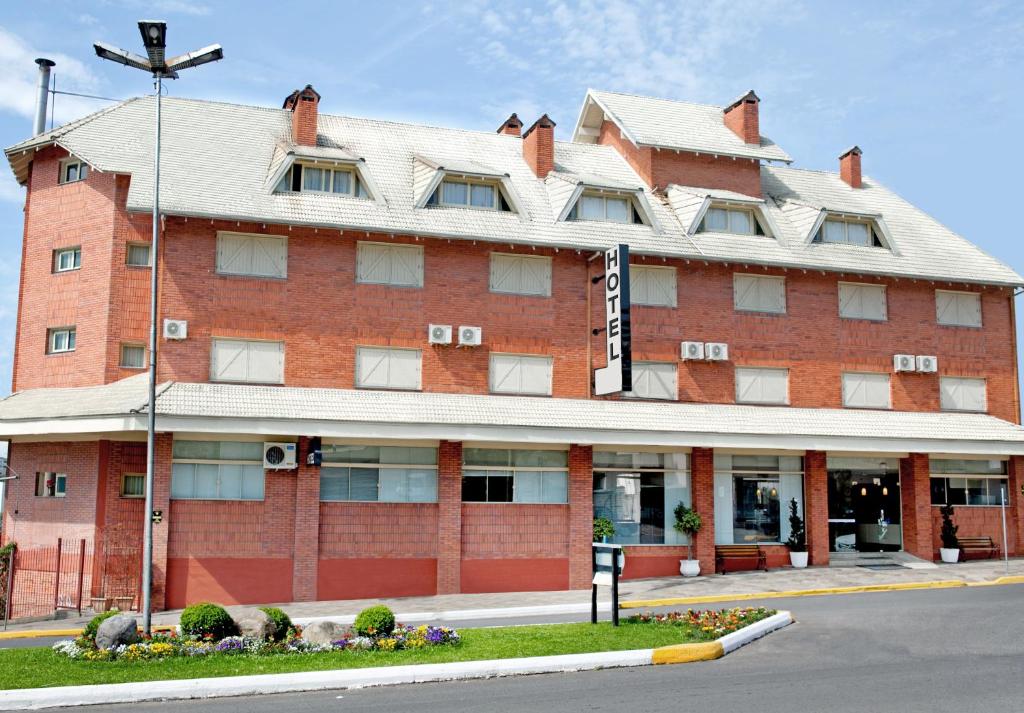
(798, 559)
(949, 556)
(689, 568)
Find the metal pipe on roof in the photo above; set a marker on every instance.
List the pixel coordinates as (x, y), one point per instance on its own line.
(42, 95)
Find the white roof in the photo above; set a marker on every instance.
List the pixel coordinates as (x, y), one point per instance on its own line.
(232, 408)
(683, 126)
(219, 161)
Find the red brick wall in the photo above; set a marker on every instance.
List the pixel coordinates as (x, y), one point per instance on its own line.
(581, 515)
(976, 521)
(915, 492)
(816, 506)
(702, 474)
(388, 530)
(449, 517)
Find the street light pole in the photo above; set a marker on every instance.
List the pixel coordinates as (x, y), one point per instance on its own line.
(154, 37)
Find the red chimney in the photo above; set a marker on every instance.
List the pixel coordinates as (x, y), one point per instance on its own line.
(849, 166)
(539, 146)
(303, 105)
(511, 127)
(741, 117)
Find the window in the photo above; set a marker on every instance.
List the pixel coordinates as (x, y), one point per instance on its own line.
(849, 231)
(738, 221)
(67, 259)
(302, 178)
(759, 293)
(133, 485)
(383, 368)
(958, 309)
(608, 208)
(254, 362)
(133, 356)
(513, 476)
(653, 380)
(73, 170)
(389, 264)
(466, 193)
(60, 340)
(962, 394)
(253, 255)
(51, 485)
(652, 285)
(217, 470)
(762, 386)
(521, 274)
(520, 374)
(862, 301)
(866, 390)
(396, 474)
(137, 255)
(639, 492)
(969, 482)
(752, 496)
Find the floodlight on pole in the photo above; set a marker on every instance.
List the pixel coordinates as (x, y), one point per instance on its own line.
(154, 37)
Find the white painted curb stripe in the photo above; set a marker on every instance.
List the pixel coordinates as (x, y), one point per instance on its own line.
(36, 698)
(731, 642)
(463, 614)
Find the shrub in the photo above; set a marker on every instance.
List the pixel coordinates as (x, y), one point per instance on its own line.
(797, 535)
(375, 621)
(688, 522)
(94, 624)
(603, 528)
(205, 619)
(282, 622)
(948, 533)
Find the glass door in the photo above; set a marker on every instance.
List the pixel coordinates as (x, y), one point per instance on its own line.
(864, 510)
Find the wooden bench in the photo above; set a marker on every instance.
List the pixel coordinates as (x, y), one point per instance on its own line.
(744, 556)
(978, 548)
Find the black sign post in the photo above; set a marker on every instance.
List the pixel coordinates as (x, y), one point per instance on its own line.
(605, 562)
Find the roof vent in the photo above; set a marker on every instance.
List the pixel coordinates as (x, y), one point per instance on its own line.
(849, 166)
(742, 118)
(512, 126)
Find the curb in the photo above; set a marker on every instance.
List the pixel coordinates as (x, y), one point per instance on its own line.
(37, 698)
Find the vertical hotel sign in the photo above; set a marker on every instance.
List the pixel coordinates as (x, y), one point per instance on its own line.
(617, 375)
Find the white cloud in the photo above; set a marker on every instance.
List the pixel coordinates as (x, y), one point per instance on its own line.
(10, 190)
(182, 7)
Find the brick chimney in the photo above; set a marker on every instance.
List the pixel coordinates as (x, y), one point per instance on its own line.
(741, 117)
(511, 127)
(849, 166)
(539, 146)
(303, 104)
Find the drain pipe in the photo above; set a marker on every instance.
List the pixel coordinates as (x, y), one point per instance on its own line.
(43, 95)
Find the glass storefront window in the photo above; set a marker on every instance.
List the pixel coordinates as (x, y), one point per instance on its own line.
(756, 510)
(752, 496)
(395, 474)
(638, 492)
(492, 475)
(968, 482)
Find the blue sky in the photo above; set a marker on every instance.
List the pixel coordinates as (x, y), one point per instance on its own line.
(928, 90)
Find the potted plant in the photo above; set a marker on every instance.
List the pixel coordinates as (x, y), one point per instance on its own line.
(604, 530)
(797, 541)
(950, 550)
(688, 523)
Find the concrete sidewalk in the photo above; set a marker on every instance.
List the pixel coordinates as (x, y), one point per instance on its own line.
(740, 584)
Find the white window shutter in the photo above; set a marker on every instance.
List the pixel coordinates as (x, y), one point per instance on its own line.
(776, 386)
(266, 362)
(407, 265)
(653, 380)
(234, 253)
(744, 292)
(853, 390)
(945, 307)
(748, 385)
(962, 394)
(515, 374)
(506, 373)
(503, 273)
(971, 312)
(765, 386)
(866, 390)
(536, 277)
(773, 294)
(850, 301)
(652, 285)
(521, 274)
(404, 369)
(229, 360)
(269, 257)
(536, 375)
(371, 367)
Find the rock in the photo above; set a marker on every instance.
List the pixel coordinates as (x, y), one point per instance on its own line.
(323, 631)
(254, 624)
(117, 630)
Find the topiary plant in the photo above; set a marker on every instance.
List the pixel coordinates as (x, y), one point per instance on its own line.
(948, 532)
(797, 541)
(688, 522)
(375, 621)
(207, 620)
(282, 622)
(604, 529)
(94, 624)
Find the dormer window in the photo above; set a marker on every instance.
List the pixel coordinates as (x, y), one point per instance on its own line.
(73, 170)
(467, 193)
(849, 231)
(728, 219)
(605, 207)
(305, 178)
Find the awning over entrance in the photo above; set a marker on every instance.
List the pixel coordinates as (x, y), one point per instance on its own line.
(120, 407)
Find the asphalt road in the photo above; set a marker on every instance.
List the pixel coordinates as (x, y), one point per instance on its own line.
(956, 650)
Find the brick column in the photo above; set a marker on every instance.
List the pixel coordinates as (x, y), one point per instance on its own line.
(306, 542)
(161, 501)
(915, 490)
(581, 515)
(816, 506)
(1015, 506)
(702, 472)
(449, 517)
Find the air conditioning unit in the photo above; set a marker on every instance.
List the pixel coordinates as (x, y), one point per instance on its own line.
(440, 333)
(470, 336)
(928, 364)
(716, 351)
(279, 456)
(904, 362)
(692, 351)
(175, 329)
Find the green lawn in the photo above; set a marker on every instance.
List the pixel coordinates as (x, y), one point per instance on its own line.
(40, 667)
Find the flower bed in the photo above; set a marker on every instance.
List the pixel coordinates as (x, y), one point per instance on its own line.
(707, 624)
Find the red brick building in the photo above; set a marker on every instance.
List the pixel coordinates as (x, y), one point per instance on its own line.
(417, 305)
